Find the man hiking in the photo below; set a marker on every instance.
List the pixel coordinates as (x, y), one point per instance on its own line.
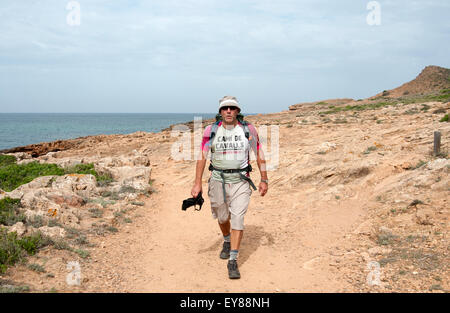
(230, 140)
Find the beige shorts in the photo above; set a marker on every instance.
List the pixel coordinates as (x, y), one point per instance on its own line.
(236, 202)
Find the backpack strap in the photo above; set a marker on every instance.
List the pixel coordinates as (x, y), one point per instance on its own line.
(214, 128)
(246, 130)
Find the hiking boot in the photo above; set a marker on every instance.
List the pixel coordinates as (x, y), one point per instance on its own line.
(233, 271)
(225, 253)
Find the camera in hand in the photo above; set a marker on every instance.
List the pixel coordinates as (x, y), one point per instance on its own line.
(193, 202)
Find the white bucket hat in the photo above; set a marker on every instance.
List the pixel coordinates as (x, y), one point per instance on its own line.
(229, 101)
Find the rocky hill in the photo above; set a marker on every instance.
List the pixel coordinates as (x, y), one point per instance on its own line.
(432, 80)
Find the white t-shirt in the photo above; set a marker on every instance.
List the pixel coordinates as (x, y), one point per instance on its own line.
(229, 150)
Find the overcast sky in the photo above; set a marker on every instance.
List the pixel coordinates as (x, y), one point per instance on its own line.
(184, 55)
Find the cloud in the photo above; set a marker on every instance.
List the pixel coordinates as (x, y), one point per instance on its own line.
(253, 42)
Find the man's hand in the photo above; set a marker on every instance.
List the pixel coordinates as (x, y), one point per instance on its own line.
(196, 190)
(263, 188)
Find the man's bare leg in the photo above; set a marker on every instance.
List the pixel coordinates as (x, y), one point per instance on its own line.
(236, 237)
(225, 228)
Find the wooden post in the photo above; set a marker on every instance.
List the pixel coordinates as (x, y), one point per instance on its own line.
(437, 143)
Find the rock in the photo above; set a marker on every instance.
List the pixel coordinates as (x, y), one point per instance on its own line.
(379, 250)
(15, 194)
(141, 161)
(130, 173)
(21, 156)
(76, 182)
(49, 156)
(365, 228)
(385, 230)
(406, 165)
(31, 214)
(326, 147)
(53, 232)
(35, 201)
(69, 199)
(131, 196)
(438, 164)
(26, 161)
(69, 219)
(404, 220)
(19, 228)
(37, 183)
(136, 177)
(440, 186)
(424, 216)
(365, 256)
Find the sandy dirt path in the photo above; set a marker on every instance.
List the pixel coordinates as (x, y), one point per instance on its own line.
(284, 248)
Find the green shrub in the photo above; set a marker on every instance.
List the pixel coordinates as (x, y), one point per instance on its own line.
(81, 169)
(6, 160)
(14, 249)
(370, 149)
(14, 289)
(95, 212)
(32, 243)
(444, 119)
(385, 239)
(60, 244)
(104, 180)
(82, 253)
(10, 250)
(420, 164)
(9, 212)
(87, 169)
(128, 189)
(81, 240)
(112, 229)
(36, 221)
(425, 107)
(359, 107)
(36, 267)
(14, 175)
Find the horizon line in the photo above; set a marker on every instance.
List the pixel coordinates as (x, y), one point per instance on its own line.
(121, 113)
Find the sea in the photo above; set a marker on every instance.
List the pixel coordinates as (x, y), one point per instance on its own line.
(21, 129)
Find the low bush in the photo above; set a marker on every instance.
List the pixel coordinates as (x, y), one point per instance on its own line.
(7, 160)
(9, 214)
(14, 249)
(13, 175)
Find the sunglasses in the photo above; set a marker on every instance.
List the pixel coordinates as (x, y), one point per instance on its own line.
(232, 108)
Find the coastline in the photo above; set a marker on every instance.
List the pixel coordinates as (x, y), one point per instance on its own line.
(44, 147)
(67, 143)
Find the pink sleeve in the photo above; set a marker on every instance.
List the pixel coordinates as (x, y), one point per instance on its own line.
(205, 141)
(254, 135)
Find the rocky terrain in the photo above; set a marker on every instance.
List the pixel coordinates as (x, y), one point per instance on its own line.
(357, 202)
